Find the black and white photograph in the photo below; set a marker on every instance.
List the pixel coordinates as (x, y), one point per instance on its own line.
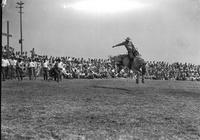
(100, 69)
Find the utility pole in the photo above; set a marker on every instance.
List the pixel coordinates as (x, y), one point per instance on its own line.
(1, 20)
(8, 45)
(20, 12)
(8, 35)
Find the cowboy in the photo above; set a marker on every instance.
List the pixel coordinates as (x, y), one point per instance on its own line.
(132, 51)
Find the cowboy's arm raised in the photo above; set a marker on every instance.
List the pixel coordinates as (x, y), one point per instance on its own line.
(120, 44)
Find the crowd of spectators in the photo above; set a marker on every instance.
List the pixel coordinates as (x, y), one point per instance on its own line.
(176, 71)
(17, 65)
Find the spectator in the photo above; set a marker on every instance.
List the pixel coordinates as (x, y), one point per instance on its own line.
(19, 69)
(4, 67)
(45, 67)
(13, 68)
(31, 69)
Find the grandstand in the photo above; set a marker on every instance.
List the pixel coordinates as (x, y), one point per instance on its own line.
(73, 67)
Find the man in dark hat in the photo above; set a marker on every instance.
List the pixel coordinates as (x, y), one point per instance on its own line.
(132, 52)
(57, 76)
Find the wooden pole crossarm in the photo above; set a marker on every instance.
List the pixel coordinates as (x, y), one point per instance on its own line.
(5, 34)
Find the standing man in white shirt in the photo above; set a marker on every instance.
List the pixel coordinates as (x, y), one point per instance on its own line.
(45, 67)
(60, 67)
(34, 68)
(7, 72)
(13, 62)
(31, 66)
(4, 67)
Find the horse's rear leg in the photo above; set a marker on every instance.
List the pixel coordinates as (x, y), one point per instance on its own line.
(143, 73)
(142, 78)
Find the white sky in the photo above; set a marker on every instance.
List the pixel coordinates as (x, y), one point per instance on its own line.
(166, 30)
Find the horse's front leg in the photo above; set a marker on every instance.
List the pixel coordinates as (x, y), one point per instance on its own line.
(142, 78)
(137, 77)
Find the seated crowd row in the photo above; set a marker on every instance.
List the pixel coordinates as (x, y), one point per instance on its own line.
(19, 66)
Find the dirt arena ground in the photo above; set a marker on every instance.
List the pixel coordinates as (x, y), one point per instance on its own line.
(115, 109)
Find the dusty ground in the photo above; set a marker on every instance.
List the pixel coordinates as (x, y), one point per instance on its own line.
(100, 109)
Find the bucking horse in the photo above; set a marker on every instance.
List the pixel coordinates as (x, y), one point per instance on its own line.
(138, 65)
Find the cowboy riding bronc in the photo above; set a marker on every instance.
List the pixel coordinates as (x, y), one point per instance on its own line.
(132, 52)
(133, 60)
